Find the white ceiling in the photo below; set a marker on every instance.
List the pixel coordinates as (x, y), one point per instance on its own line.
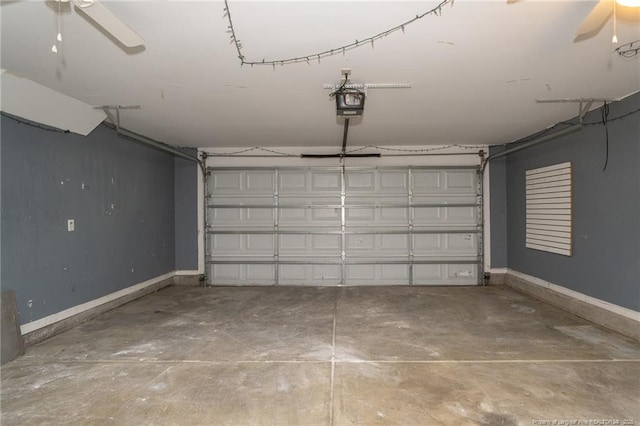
(475, 71)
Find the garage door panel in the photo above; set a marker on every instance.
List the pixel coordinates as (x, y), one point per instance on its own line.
(424, 216)
(238, 182)
(379, 274)
(308, 182)
(394, 201)
(460, 214)
(230, 243)
(259, 244)
(461, 181)
(311, 217)
(316, 275)
(226, 182)
(428, 243)
(394, 226)
(315, 215)
(376, 216)
(360, 182)
(362, 274)
(393, 273)
(241, 217)
(236, 274)
(394, 181)
(326, 182)
(443, 216)
(462, 243)
(382, 244)
(361, 243)
(377, 182)
(445, 181)
(310, 245)
(294, 243)
(395, 243)
(462, 274)
(293, 216)
(427, 181)
(326, 242)
(240, 200)
(260, 274)
(445, 245)
(259, 216)
(293, 182)
(294, 273)
(392, 216)
(428, 274)
(259, 182)
(444, 199)
(329, 215)
(428, 216)
(225, 245)
(361, 215)
(445, 274)
(222, 274)
(225, 217)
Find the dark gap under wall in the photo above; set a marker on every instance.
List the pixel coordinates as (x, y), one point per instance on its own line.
(606, 209)
(121, 197)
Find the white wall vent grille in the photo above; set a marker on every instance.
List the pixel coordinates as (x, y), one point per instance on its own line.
(549, 210)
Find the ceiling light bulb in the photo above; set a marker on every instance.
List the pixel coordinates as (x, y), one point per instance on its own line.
(59, 37)
(54, 49)
(629, 3)
(614, 39)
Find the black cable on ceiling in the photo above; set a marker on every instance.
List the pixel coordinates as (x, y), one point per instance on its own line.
(569, 123)
(600, 122)
(605, 120)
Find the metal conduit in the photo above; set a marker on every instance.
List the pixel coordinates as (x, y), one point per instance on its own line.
(537, 141)
(158, 145)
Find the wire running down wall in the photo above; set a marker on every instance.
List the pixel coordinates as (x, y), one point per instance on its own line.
(549, 217)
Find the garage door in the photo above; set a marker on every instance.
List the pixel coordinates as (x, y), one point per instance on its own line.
(343, 226)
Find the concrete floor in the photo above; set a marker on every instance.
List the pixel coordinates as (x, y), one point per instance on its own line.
(328, 356)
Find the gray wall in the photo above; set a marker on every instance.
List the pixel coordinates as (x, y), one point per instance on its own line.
(498, 210)
(124, 218)
(606, 209)
(186, 208)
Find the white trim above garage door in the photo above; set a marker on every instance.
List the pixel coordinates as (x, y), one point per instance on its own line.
(344, 226)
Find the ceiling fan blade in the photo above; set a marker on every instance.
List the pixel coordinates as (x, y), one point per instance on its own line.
(109, 22)
(596, 19)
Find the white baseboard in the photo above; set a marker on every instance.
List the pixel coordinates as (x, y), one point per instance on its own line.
(616, 309)
(75, 310)
(188, 272)
(497, 270)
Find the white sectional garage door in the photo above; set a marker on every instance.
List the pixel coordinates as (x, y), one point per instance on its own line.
(343, 226)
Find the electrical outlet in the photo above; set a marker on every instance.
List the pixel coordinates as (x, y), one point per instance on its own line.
(71, 225)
